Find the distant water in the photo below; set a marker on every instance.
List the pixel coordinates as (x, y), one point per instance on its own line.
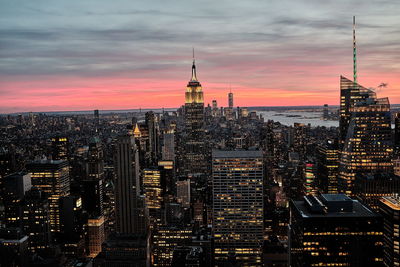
(290, 117)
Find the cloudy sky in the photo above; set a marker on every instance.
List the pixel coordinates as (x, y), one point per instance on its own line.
(94, 54)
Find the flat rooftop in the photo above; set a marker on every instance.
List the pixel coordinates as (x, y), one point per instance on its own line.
(237, 154)
(332, 205)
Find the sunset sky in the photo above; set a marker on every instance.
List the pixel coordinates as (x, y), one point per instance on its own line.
(93, 54)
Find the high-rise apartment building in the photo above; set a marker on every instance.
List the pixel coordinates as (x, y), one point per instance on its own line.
(237, 190)
(52, 178)
(334, 230)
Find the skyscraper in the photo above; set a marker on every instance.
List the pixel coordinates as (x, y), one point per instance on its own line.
(230, 100)
(52, 178)
(35, 220)
(153, 194)
(194, 127)
(368, 144)
(334, 230)
(154, 137)
(237, 182)
(168, 148)
(328, 165)
(92, 185)
(390, 210)
(365, 130)
(60, 147)
(299, 144)
(397, 133)
(128, 207)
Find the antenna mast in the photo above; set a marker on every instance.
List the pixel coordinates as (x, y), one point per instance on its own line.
(354, 52)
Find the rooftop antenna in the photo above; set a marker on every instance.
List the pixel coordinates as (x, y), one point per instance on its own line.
(194, 76)
(354, 52)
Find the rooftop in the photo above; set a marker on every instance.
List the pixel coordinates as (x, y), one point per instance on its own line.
(392, 201)
(331, 205)
(237, 154)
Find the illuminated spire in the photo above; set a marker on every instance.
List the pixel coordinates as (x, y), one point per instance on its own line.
(354, 52)
(136, 131)
(194, 77)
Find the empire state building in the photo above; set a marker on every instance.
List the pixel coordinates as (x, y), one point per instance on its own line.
(195, 163)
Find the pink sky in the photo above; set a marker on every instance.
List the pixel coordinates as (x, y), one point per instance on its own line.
(107, 93)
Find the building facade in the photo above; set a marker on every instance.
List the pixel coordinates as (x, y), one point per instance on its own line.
(237, 212)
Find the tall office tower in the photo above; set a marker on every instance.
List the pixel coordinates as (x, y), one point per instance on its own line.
(35, 220)
(96, 116)
(165, 240)
(183, 192)
(195, 149)
(370, 188)
(237, 181)
(72, 226)
(92, 185)
(230, 100)
(168, 149)
(368, 145)
(153, 194)
(365, 130)
(351, 93)
(325, 112)
(59, 147)
(310, 181)
(52, 178)
(299, 140)
(95, 160)
(14, 187)
(167, 170)
(129, 210)
(328, 167)
(154, 137)
(397, 134)
(334, 230)
(7, 161)
(389, 208)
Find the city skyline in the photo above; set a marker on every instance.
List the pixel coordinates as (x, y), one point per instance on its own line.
(58, 57)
